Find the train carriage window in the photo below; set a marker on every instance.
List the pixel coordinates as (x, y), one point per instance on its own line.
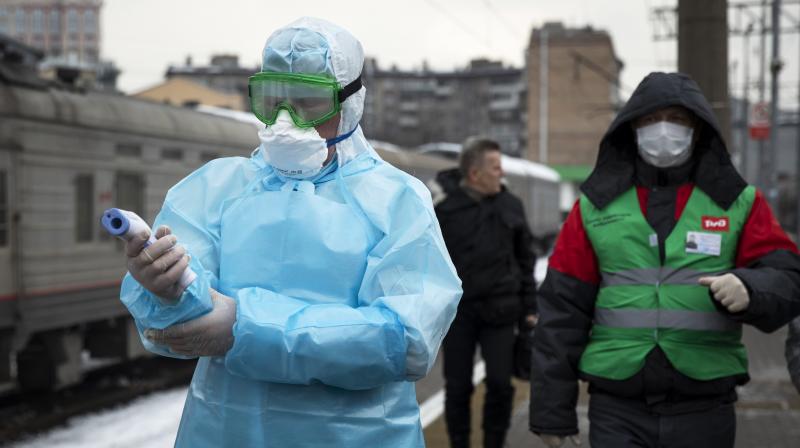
(4, 224)
(129, 150)
(84, 207)
(172, 154)
(129, 192)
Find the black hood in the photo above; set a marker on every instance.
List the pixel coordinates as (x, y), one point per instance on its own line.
(614, 171)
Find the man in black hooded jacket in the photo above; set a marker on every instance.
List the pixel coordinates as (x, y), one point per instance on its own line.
(486, 233)
(662, 259)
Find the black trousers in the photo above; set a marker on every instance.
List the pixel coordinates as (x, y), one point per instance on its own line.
(497, 343)
(621, 423)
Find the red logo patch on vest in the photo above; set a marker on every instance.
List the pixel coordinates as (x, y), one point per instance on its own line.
(715, 223)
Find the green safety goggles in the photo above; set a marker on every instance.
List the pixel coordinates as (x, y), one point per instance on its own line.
(310, 99)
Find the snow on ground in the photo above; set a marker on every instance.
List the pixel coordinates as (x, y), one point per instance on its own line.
(147, 422)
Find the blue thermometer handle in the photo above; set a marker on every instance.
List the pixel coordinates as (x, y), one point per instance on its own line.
(125, 225)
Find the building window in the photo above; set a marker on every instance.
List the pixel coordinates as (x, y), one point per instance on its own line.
(55, 23)
(84, 207)
(129, 192)
(20, 22)
(91, 55)
(89, 22)
(129, 150)
(72, 21)
(4, 224)
(38, 22)
(172, 154)
(4, 28)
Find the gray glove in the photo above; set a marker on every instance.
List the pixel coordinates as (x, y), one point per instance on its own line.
(554, 441)
(158, 267)
(208, 335)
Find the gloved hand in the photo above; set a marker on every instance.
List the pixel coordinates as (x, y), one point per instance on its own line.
(208, 335)
(729, 291)
(554, 441)
(159, 266)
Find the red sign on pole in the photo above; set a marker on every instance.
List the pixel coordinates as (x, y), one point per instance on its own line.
(759, 121)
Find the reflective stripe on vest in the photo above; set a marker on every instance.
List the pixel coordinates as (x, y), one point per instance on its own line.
(654, 276)
(677, 319)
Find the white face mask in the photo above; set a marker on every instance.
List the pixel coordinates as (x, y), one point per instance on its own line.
(294, 152)
(664, 144)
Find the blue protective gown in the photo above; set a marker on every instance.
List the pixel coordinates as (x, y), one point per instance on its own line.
(344, 292)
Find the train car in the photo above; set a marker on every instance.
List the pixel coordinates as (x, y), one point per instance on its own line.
(67, 154)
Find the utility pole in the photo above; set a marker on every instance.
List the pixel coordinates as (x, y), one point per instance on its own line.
(703, 53)
(797, 163)
(747, 14)
(762, 182)
(744, 153)
(775, 69)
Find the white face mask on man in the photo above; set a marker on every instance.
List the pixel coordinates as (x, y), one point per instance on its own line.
(294, 152)
(664, 144)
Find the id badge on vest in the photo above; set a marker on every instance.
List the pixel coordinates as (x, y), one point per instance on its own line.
(703, 243)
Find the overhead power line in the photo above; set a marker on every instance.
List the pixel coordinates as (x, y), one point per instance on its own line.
(746, 20)
(508, 26)
(457, 22)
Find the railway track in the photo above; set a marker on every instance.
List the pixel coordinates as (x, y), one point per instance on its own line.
(23, 414)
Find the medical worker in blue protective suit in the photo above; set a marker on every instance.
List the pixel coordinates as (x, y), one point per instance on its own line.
(324, 287)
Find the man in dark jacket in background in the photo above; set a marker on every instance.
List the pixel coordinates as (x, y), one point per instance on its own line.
(650, 320)
(487, 235)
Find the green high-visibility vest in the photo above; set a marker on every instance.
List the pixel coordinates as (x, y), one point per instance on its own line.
(642, 303)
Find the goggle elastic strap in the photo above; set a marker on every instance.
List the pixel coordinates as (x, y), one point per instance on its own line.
(332, 141)
(350, 89)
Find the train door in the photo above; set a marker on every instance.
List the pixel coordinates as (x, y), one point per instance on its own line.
(6, 280)
(129, 191)
(129, 195)
(7, 266)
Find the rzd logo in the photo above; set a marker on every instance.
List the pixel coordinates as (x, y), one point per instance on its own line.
(715, 223)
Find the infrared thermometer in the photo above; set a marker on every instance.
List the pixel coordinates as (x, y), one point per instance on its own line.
(125, 225)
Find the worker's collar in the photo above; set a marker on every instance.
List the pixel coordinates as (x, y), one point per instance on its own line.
(651, 176)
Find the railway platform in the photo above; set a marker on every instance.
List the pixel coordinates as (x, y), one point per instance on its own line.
(768, 411)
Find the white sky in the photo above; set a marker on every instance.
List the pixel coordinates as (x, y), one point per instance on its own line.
(143, 37)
